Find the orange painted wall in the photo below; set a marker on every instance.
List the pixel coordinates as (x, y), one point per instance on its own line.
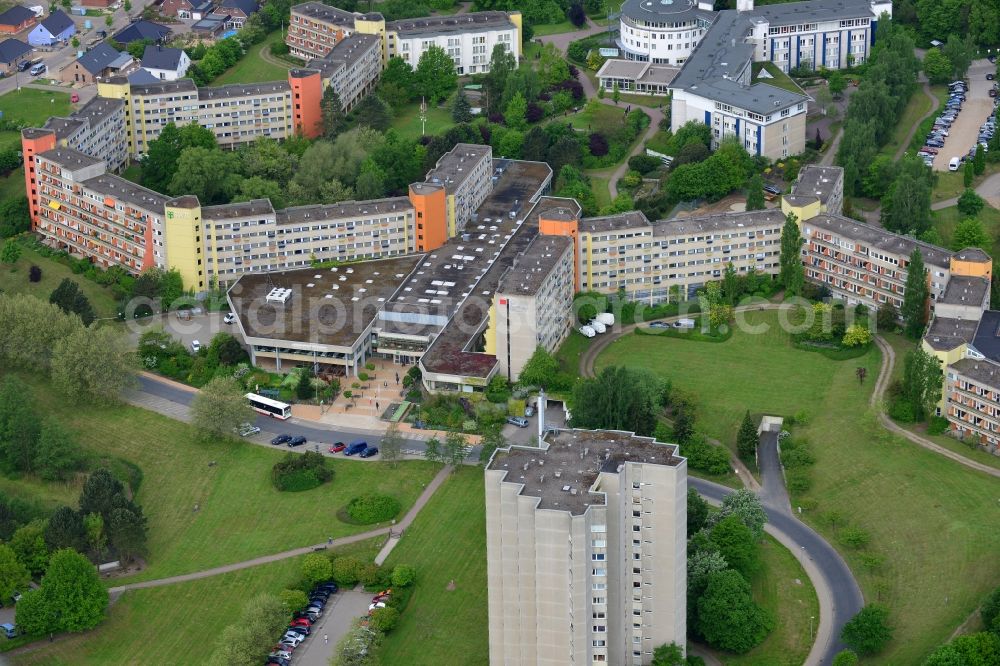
(30, 148)
(307, 94)
(569, 228)
(430, 209)
(971, 268)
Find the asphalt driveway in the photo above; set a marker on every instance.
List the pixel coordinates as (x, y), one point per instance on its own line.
(344, 606)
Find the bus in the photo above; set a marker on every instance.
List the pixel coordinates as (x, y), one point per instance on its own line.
(278, 410)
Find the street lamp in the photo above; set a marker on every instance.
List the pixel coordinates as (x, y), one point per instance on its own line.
(423, 116)
(811, 618)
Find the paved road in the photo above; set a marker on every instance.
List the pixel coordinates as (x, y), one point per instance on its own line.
(343, 608)
(170, 400)
(773, 492)
(839, 595)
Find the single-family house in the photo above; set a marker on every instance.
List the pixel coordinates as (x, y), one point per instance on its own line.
(12, 51)
(211, 27)
(16, 19)
(96, 64)
(186, 9)
(54, 28)
(142, 29)
(239, 11)
(166, 64)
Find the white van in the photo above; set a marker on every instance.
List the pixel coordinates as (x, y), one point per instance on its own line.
(40, 68)
(954, 163)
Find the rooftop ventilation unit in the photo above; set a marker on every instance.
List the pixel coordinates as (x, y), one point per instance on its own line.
(278, 295)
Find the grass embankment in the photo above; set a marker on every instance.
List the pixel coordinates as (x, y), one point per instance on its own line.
(212, 503)
(446, 543)
(926, 515)
(14, 280)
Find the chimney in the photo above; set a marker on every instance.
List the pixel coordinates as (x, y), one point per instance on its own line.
(540, 408)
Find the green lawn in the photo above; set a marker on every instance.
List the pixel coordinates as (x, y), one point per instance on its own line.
(14, 280)
(10, 139)
(597, 117)
(778, 78)
(918, 105)
(696, 368)
(241, 515)
(599, 185)
(33, 106)
(407, 120)
(931, 519)
(252, 68)
(13, 184)
(782, 587)
(553, 28)
(951, 184)
(447, 542)
(946, 219)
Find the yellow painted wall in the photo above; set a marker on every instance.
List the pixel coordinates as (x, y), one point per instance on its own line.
(490, 335)
(366, 27)
(983, 269)
(516, 19)
(946, 358)
(801, 212)
(183, 241)
(452, 228)
(121, 91)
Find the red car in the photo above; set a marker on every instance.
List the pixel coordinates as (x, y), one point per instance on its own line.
(301, 622)
(338, 447)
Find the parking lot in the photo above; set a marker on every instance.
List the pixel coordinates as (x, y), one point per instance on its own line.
(554, 416)
(346, 605)
(976, 109)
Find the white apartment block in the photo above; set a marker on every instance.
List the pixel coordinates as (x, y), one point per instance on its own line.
(253, 237)
(586, 550)
(533, 302)
(352, 68)
(466, 172)
(96, 129)
(674, 258)
(468, 38)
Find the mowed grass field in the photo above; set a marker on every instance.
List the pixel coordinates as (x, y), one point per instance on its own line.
(762, 373)
(239, 513)
(447, 542)
(14, 280)
(252, 68)
(31, 105)
(406, 120)
(782, 587)
(176, 624)
(932, 520)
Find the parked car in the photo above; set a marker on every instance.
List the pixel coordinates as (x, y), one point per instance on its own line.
(329, 587)
(9, 630)
(954, 163)
(293, 637)
(659, 324)
(247, 430)
(284, 654)
(376, 606)
(277, 661)
(229, 318)
(24, 65)
(337, 447)
(369, 452)
(40, 68)
(317, 610)
(529, 411)
(196, 346)
(298, 440)
(303, 631)
(301, 622)
(990, 77)
(281, 439)
(355, 447)
(518, 421)
(74, 98)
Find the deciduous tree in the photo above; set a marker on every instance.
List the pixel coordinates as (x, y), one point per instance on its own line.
(746, 506)
(697, 511)
(970, 204)
(57, 455)
(970, 233)
(71, 597)
(14, 576)
(618, 398)
(435, 75)
(869, 630)
(728, 618)
(391, 445)
(737, 544)
(249, 640)
(219, 407)
(755, 193)
(93, 363)
(316, 569)
(28, 544)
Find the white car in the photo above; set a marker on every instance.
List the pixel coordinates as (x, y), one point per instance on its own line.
(247, 430)
(293, 638)
(954, 163)
(376, 606)
(229, 318)
(195, 346)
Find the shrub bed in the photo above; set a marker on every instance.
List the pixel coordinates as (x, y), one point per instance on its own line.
(295, 473)
(368, 509)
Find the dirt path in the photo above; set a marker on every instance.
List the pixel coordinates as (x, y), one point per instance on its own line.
(265, 55)
(926, 88)
(236, 566)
